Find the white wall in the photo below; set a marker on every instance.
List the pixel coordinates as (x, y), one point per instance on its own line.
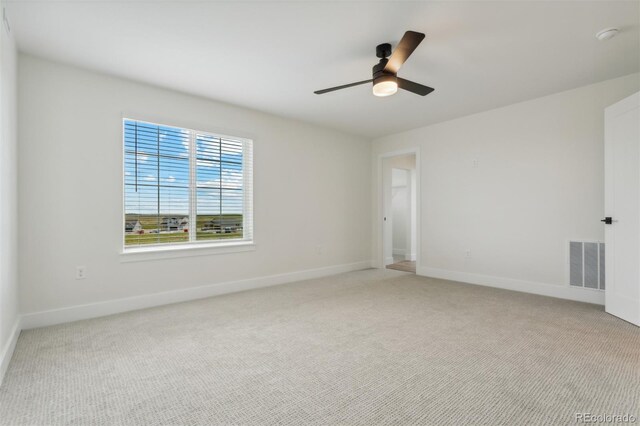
(512, 185)
(311, 190)
(8, 200)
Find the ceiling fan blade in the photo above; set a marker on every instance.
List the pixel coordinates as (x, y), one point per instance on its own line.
(404, 49)
(412, 87)
(320, 92)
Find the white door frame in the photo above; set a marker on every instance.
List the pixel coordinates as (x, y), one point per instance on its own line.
(380, 224)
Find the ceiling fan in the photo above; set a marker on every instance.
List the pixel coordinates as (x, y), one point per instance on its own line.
(385, 79)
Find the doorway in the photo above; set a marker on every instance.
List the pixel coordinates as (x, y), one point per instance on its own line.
(399, 196)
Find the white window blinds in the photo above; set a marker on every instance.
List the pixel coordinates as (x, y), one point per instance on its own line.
(184, 186)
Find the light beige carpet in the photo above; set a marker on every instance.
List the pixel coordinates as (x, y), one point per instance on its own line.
(363, 348)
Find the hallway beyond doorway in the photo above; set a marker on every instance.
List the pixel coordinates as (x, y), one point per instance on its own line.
(399, 264)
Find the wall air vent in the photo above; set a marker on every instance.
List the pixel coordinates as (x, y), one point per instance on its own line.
(586, 264)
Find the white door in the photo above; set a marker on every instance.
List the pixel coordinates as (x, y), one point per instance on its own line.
(622, 209)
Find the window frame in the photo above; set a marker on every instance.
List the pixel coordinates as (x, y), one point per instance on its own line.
(193, 247)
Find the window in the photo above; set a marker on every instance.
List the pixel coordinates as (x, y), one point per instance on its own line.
(183, 186)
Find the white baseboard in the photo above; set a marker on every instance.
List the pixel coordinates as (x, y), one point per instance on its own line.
(410, 256)
(399, 251)
(110, 307)
(559, 291)
(9, 347)
(388, 260)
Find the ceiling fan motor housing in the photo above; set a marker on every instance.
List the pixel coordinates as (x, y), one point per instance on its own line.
(378, 70)
(383, 50)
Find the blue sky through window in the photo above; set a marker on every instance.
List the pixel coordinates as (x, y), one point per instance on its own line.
(157, 170)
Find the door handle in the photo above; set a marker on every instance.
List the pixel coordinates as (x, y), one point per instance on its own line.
(607, 220)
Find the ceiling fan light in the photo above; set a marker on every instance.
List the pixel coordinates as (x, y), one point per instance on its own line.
(385, 86)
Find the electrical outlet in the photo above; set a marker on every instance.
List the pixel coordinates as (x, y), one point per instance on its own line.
(467, 253)
(81, 272)
(475, 163)
(319, 249)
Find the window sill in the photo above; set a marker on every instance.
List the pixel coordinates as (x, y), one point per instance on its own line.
(186, 250)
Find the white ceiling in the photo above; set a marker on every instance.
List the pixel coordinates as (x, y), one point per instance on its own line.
(271, 56)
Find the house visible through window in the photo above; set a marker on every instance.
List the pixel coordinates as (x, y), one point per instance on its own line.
(183, 186)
